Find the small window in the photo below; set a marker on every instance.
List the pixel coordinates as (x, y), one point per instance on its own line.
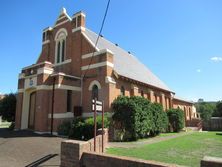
(122, 91)
(95, 92)
(69, 101)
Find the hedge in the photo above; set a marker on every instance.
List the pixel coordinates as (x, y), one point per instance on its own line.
(80, 128)
(137, 117)
(160, 119)
(176, 119)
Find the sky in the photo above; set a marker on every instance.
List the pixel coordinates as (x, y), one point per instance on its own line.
(180, 41)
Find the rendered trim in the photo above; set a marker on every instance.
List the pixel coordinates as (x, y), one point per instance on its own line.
(109, 79)
(64, 62)
(56, 25)
(45, 70)
(34, 65)
(62, 115)
(96, 53)
(45, 42)
(78, 29)
(95, 82)
(96, 65)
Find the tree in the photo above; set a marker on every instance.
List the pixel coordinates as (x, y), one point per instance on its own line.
(218, 110)
(8, 107)
(206, 110)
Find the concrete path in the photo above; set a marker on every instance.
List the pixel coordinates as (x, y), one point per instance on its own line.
(140, 143)
(27, 149)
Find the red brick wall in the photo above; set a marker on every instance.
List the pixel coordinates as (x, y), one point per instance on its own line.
(18, 113)
(90, 159)
(43, 107)
(72, 150)
(211, 162)
(79, 153)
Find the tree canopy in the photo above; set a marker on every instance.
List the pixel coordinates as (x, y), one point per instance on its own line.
(8, 107)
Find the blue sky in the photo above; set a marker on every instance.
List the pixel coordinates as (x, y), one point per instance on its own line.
(179, 40)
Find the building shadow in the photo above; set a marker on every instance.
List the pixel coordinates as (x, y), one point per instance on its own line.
(6, 133)
(42, 160)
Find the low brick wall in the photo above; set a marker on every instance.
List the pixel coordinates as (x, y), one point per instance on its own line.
(98, 141)
(76, 153)
(211, 162)
(214, 124)
(72, 150)
(90, 159)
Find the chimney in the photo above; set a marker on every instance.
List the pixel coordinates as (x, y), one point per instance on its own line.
(78, 20)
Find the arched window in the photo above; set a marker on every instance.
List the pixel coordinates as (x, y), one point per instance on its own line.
(58, 52)
(95, 92)
(63, 50)
(60, 40)
(122, 91)
(142, 93)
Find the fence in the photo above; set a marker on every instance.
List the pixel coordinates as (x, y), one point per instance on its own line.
(214, 124)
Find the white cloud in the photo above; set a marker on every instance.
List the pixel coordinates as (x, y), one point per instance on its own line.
(216, 59)
(198, 70)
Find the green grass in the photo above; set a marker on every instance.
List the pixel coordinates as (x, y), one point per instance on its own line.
(169, 134)
(5, 124)
(185, 150)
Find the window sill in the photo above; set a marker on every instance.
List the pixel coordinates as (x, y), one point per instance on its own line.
(64, 62)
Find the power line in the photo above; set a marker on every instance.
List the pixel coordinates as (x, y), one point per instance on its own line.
(104, 18)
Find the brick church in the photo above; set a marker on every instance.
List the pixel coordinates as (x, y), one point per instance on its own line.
(54, 87)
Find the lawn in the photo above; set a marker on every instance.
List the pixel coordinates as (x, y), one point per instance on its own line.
(5, 124)
(185, 150)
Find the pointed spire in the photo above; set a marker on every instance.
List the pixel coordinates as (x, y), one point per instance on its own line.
(63, 11)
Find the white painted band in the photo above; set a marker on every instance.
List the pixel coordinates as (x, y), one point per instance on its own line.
(45, 42)
(64, 62)
(96, 65)
(109, 79)
(20, 90)
(62, 115)
(78, 29)
(96, 53)
(45, 70)
(61, 23)
(57, 86)
(34, 65)
(21, 76)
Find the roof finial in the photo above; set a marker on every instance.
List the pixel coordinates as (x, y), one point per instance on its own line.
(63, 10)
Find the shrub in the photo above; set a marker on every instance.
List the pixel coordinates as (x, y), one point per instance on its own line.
(8, 107)
(83, 129)
(132, 115)
(12, 126)
(136, 117)
(176, 119)
(64, 128)
(160, 119)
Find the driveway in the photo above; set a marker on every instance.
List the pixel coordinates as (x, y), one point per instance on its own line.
(27, 149)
